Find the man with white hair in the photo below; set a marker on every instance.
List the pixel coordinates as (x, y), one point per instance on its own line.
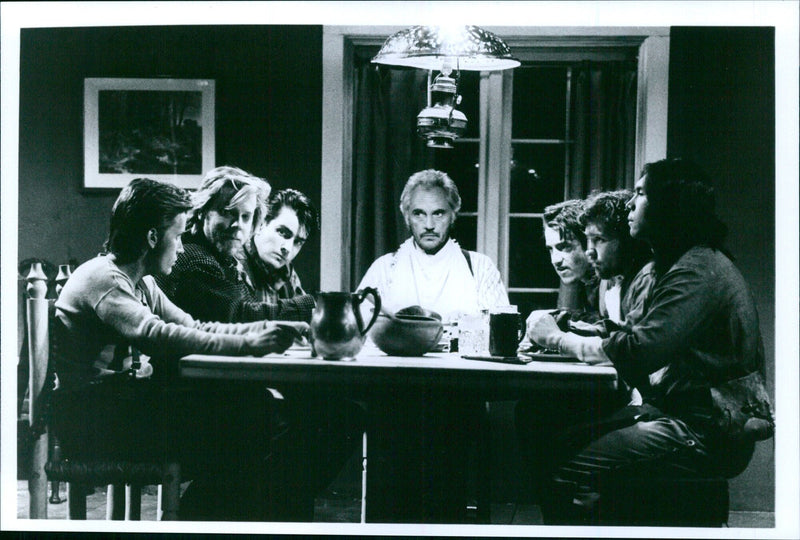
(430, 269)
(313, 434)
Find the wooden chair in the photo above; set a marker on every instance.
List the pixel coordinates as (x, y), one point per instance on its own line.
(79, 475)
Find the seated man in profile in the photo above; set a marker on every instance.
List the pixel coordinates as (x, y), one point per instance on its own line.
(430, 269)
(622, 262)
(697, 339)
(619, 263)
(565, 241)
(111, 303)
(267, 257)
(207, 279)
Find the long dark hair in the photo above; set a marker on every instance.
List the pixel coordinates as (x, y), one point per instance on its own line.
(142, 205)
(680, 210)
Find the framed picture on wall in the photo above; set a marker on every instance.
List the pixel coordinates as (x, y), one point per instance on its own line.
(158, 128)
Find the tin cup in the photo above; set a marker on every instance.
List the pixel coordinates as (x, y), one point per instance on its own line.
(506, 330)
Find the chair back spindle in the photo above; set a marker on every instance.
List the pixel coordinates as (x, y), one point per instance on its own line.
(38, 355)
(64, 272)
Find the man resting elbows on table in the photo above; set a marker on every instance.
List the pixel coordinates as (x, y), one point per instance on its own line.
(619, 262)
(698, 332)
(315, 432)
(111, 303)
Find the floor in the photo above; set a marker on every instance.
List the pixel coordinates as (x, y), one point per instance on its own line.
(342, 504)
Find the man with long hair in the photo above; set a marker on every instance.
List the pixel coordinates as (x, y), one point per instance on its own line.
(698, 335)
(208, 281)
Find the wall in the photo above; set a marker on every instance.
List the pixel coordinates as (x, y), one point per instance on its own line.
(722, 115)
(268, 113)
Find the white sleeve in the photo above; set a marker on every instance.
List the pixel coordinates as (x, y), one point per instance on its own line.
(586, 349)
(491, 291)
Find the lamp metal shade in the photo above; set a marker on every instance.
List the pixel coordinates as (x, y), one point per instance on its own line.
(469, 48)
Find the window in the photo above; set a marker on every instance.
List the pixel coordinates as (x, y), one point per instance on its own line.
(507, 166)
(551, 132)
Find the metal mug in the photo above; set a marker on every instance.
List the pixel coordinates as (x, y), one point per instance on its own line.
(506, 330)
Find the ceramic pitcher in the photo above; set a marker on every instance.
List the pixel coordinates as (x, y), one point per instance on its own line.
(337, 328)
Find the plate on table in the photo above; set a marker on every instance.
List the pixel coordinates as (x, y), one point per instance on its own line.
(548, 356)
(441, 347)
(501, 359)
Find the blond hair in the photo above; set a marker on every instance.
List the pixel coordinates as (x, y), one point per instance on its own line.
(223, 188)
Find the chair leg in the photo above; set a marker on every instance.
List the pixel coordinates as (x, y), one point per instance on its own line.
(171, 492)
(159, 498)
(364, 477)
(484, 478)
(55, 485)
(55, 496)
(115, 502)
(37, 483)
(76, 501)
(133, 502)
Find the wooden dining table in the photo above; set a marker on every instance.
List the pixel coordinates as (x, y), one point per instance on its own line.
(389, 385)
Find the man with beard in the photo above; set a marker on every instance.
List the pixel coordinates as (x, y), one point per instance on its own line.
(313, 434)
(620, 262)
(430, 269)
(695, 354)
(207, 280)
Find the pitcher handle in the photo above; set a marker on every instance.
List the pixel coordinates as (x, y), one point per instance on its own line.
(360, 296)
(522, 330)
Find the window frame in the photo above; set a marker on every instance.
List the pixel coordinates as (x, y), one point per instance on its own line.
(338, 46)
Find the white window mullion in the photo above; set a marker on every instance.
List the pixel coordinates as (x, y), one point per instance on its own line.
(494, 168)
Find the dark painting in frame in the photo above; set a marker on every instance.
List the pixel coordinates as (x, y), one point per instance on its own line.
(157, 128)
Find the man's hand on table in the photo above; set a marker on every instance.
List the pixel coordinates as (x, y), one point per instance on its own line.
(276, 337)
(543, 329)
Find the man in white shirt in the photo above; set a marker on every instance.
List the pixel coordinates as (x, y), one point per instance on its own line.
(430, 269)
(429, 444)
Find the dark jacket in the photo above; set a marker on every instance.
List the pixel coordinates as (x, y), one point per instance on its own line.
(699, 329)
(209, 287)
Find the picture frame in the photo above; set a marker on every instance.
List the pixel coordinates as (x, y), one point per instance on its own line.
(156, 128)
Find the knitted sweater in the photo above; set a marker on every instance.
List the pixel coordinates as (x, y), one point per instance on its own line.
(100, 306)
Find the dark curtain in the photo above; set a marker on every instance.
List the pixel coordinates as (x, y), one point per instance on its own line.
(386, 152)
(603, 127)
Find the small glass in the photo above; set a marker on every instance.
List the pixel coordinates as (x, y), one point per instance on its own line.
(473, 334)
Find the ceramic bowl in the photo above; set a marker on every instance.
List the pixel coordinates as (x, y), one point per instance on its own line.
(418, 311)
(406, 335)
